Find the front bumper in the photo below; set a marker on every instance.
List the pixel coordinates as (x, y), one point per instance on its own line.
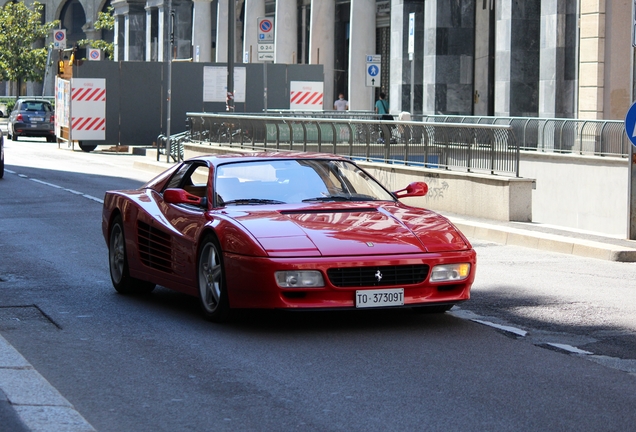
(251, 283)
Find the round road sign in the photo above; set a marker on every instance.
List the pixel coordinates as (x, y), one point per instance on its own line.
(266, 25)
(630, 123)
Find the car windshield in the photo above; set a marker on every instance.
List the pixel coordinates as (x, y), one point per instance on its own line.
(294, 181)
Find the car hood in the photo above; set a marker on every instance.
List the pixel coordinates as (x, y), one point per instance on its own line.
(346, 230)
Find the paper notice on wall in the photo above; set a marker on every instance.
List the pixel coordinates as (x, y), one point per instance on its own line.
(215, 84)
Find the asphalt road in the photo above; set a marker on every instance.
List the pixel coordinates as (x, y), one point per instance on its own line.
(503, 361)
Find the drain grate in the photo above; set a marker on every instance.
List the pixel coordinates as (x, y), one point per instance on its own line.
(15, 317)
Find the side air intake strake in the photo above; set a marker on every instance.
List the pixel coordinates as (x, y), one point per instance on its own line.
(155, 249)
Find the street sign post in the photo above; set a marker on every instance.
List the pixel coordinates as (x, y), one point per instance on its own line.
(59, 39)
(411, 56)
(374, 67)
(265, 30)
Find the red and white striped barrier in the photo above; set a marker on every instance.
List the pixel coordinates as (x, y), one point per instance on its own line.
(88, 109)
(305, 95)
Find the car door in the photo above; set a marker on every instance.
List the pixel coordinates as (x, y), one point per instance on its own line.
(168, 232)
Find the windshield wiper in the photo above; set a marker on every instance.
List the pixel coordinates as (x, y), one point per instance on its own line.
(253, 201)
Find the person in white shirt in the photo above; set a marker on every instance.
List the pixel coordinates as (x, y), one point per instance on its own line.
(341, 104)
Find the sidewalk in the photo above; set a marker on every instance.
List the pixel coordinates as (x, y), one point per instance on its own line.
(548, 238)
(28, 402)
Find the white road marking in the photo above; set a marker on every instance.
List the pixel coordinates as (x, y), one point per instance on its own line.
(508, 329)
(53, 185)
(569, 348)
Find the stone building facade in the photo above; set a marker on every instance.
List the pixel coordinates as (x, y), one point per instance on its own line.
(545, 58)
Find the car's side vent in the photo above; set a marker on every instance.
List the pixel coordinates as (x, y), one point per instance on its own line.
(378, 276)
(155, 249)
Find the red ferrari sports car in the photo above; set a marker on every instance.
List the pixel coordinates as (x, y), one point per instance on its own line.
(281, 231)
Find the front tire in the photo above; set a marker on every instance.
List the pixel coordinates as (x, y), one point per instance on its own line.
(211, 279)
(118, 263)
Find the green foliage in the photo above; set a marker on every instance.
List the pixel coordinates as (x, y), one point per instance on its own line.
(20, 28)
(105, 21)
(9, 102)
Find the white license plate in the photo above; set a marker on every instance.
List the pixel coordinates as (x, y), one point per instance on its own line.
(379, 298)
(37, 119)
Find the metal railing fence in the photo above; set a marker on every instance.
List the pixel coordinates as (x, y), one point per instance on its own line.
(558, 135)
(548, 135)
(472, 148)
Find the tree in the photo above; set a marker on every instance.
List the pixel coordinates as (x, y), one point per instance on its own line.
(105, 21)
(21, 28)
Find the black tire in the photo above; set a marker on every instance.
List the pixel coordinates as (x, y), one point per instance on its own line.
(1, 167)
(118, 263)
(87, 147)
(438, 309)
(50, 139)
(213, 298)
(14, 137)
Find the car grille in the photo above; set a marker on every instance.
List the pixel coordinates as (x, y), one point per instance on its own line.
(154, 247)
(368, 276)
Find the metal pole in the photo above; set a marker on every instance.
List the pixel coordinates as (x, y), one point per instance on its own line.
(231, 24)
(169, 107)
(265, 85)
(412, 83)
(631, 184)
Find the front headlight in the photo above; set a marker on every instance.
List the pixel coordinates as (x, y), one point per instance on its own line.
(450, 272)
(299, 279)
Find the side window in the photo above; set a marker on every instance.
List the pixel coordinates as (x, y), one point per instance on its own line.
(175, 181)
(193, 177)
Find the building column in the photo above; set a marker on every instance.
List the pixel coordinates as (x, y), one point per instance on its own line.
(221, 31)
(362, 41)
(592, 60)
(557, 75)
(134, 34)
(286, 33)
(162, 33)
(517, 53)
(448, 57)
(118, 52)
(397, 53)
(183, 29)
(149, 11)
(321, 43)
(254, 9)
(201, 31)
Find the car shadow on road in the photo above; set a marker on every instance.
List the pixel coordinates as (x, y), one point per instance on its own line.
(185, 307)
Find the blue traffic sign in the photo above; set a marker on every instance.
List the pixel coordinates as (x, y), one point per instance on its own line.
(630, 123)
(373, 70)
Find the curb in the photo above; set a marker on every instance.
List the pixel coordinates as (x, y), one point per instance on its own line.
(544, 241)
(35, 401)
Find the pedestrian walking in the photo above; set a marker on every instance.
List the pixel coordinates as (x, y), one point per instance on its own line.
(382, 108)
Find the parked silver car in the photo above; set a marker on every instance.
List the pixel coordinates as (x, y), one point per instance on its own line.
(32, 118)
